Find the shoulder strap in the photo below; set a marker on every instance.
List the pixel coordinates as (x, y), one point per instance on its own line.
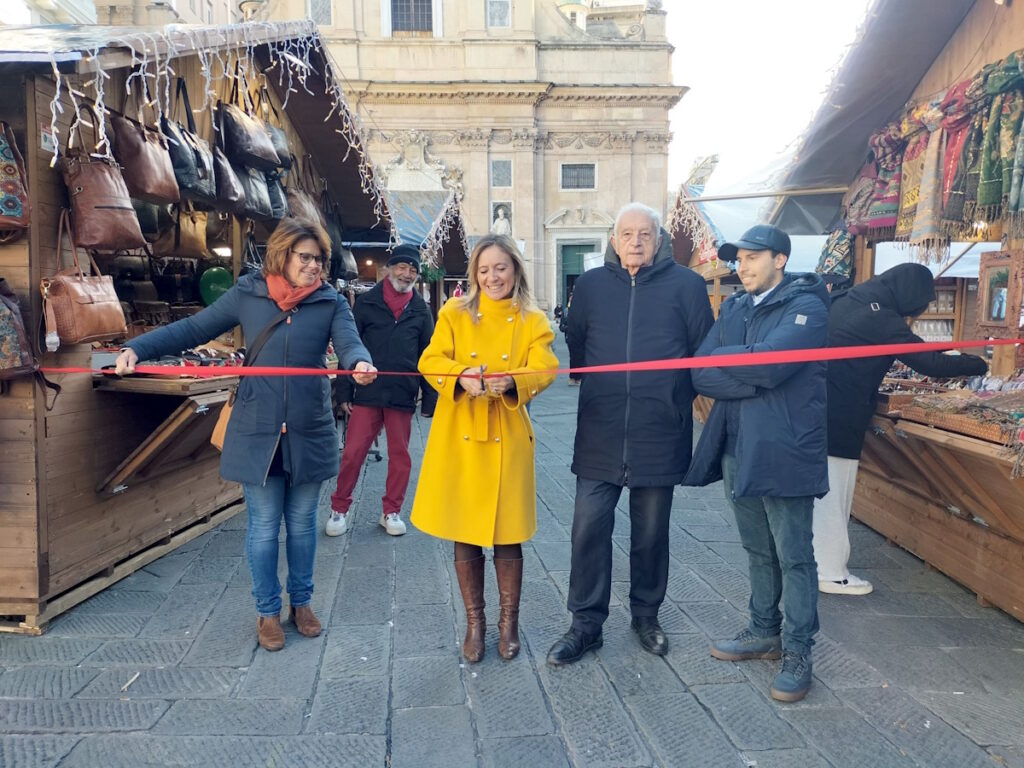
(259, 341)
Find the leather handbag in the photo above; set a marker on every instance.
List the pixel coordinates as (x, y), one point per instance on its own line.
(142, 152)
(343, 263)
(245, 139)
(300, 193)
(275, 193)
(277, 135)
(14, 201)
(187, 238)
(257, 198)
(221, 427)
(191, 157)
(101, 210)
(230, 192)
(78, 307)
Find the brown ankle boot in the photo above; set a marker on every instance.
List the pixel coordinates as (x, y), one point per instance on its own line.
(510, 585)
(306, 621)
(471, 583)
(270, 633)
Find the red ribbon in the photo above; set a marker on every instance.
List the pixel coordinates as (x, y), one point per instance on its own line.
(817, 354)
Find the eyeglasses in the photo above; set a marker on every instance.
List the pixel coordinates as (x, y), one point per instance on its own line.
(309, 258)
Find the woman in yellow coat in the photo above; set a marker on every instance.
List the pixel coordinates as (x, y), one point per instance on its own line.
(489, 356)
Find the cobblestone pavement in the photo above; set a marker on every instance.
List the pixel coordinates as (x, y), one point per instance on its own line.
(162, 668)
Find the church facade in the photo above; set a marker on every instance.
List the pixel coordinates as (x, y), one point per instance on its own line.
(547, 116)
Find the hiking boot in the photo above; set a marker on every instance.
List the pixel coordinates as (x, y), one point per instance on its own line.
(305, 621)
(794, 679)
(571, 646)
(392, 523)
(851, 585)
(270, 633)
(747, 645)
(337, 524)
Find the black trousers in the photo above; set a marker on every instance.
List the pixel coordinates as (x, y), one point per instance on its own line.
(590, 580)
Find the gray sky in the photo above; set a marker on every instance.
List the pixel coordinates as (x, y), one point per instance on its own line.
(757, 71)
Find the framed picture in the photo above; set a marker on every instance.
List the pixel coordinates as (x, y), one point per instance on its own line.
(1000, 292)
(501, 219)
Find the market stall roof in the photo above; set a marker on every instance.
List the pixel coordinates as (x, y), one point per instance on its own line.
(309, 88)
(895, 48)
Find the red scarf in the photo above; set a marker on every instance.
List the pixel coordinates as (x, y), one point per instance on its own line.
(396, 300)
(286, 295)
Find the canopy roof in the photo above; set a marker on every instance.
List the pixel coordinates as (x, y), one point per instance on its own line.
(896, 47)
(303, 78)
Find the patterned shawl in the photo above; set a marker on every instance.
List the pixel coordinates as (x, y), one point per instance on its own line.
(955, 124)
(887, 146)
(990, 180)
(912, 130)
(857, 202)
(926, 233)
(955, 212)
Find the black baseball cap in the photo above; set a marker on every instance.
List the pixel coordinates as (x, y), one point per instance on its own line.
(404, 253)
(759, 237)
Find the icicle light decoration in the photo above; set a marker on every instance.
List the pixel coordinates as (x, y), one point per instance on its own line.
(441, 232)
(293, 48)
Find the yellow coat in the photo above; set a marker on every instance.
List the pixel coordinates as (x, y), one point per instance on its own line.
(477, 482)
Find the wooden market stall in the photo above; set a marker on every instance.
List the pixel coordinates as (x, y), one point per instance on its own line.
(941, 473)
(115, 473)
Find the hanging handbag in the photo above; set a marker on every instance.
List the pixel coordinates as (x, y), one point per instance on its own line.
(343, 263)
(278, 138)
(187, 238)
(300, 192)
(79, 308)
(101, 211)
(230, 192)
(275, 193)
(245, 139)
(221, 427)
(257, 198)
(142, 152)
(14, 200)
(148, 215)
(191, 157)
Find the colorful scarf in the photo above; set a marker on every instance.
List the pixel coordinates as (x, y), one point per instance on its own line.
(955, 125)
(990, 179)
(911, 171)
(887, 146)
(1009, 132)
(286, 295)
(926, 233)
(857, 201)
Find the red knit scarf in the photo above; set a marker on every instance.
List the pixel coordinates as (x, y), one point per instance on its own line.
(286, 295)
(396, 300)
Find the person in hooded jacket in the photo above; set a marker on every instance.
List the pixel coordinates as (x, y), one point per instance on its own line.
(634, 430)
(282, 441)
(765, 437)
(874, 312)
(395, 325)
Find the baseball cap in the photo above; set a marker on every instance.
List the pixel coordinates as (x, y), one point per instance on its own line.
(404, 253)
(760, 237)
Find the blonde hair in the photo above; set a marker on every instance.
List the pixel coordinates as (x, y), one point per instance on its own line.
(520, 289)
(284, 237)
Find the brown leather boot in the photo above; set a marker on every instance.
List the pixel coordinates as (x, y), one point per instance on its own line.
(306, 621)
(270, 633)
(471, 583)
(510, 585)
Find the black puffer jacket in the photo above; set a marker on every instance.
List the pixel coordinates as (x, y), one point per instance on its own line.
(636, 429)
(874, 313)
(398, 344)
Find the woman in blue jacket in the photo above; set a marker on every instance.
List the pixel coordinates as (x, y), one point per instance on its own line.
(281, 442)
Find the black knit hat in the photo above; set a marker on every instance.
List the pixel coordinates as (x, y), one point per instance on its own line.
(403, 253)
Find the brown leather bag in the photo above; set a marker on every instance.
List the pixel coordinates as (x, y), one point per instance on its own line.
(101, 209)
(142, 152)
(78, 307)
(187, 238)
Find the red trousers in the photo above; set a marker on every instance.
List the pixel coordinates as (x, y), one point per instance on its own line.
(363, 427)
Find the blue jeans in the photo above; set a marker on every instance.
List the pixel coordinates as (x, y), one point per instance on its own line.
(266, 505)
(776, 532)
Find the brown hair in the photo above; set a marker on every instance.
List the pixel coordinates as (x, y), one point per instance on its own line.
(284, 237)
(520, 289)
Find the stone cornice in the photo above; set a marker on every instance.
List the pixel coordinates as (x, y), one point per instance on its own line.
(655, 95)
(373, 92)
(530, 139)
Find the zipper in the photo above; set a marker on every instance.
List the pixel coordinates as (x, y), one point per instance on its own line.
(629, 347)
(287, 336)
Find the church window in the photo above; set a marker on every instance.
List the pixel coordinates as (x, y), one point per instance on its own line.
(412, 16)
(499, 13)
(579, 176)
(501, 173)
(322, 12)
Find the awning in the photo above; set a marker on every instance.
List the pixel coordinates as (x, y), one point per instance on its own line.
(896, 47)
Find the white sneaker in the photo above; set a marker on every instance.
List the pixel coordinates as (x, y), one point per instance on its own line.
(336, 524)
(851, 585)
(393, 524)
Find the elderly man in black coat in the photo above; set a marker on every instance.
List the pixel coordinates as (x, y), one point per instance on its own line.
(873, 312)
(634, 429)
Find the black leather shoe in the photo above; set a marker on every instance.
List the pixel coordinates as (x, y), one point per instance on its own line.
(571, 646)
(652, 636)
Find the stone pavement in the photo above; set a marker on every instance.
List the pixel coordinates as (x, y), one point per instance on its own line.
(162, 668)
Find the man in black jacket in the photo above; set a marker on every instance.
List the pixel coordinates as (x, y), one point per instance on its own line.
(634, 429)
(874, 312)
(395, 325)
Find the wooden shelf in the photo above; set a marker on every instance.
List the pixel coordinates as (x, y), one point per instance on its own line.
(159, 385)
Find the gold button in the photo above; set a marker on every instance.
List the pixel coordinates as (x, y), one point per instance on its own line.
(509, 318)
(465, 437)
(504, 357)
(533, 391)
(440, 381)
(497, 440)
(479, 314)
(472, 354)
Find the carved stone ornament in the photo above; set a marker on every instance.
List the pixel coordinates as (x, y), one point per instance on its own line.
(414, 169)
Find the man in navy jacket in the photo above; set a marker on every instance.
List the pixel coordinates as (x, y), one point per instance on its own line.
(766, 437)
(634, 429)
